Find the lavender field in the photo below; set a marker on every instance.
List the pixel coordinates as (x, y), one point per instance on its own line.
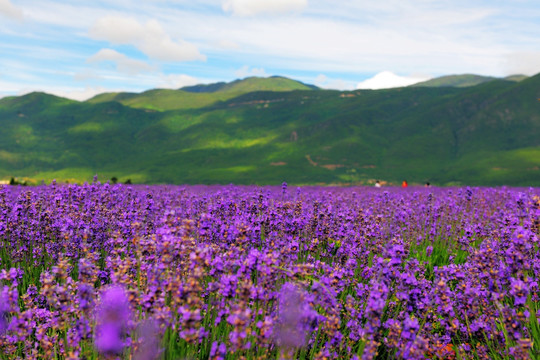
(105, 271)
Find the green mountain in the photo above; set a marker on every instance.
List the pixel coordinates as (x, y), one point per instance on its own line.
(516, 78)
(258, 132)
(250, 84)
(194, 97)
(464, 80)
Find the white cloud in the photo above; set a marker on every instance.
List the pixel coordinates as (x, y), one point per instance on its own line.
(80, 94)
(74, 93)
(150, 38)
(325, 82)
(117, 30)
(170, 81)
(85, 75)
(321, 79)
(10, 10)
(524, 62)
(54, 15)
(246, 71)
(228, 45)
(123, 63)
(8, 88)
(177, 81)
(387, 80)
(255, 7)
(327, 45)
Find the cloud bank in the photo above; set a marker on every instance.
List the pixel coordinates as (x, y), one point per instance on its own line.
(123, 63)
(150, 38)
(177, 81)
(9, 10)
(256, 7)
(325, 82)
(387, 80)
(246, 71)
(523, 62)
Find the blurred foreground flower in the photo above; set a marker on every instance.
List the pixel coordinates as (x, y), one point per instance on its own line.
(112, 319)
(4, 308)
(148, 347)
(294, 317)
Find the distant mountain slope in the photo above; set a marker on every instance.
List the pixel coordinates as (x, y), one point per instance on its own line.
(111, 96)
(274, 83)
(200, 95)
(464, 80)
(481, 135)
(205, 88)
(517, 77)
(34, 100)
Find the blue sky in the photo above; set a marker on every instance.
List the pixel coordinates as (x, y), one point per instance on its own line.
(78, 48)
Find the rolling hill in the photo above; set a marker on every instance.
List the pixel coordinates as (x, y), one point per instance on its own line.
(198, 96)
(265, 131)
(465, 80)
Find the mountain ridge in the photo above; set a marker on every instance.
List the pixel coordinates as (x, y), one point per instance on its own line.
(462, 80)
(479, 135)
(465, 80)
(200, 95)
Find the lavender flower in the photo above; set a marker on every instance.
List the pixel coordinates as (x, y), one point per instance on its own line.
(207, 264)
(4, 309)
(292, 313)
(113, 316)
(149, 342)
(519, 290)
(218, 351)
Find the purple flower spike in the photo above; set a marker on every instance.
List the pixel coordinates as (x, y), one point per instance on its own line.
(149, 348)
(4, 308)
(520, 291)
(410, 328)
(3, 322)
(291, 316)
(218, 351)
(109, 339)
(112, 316)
